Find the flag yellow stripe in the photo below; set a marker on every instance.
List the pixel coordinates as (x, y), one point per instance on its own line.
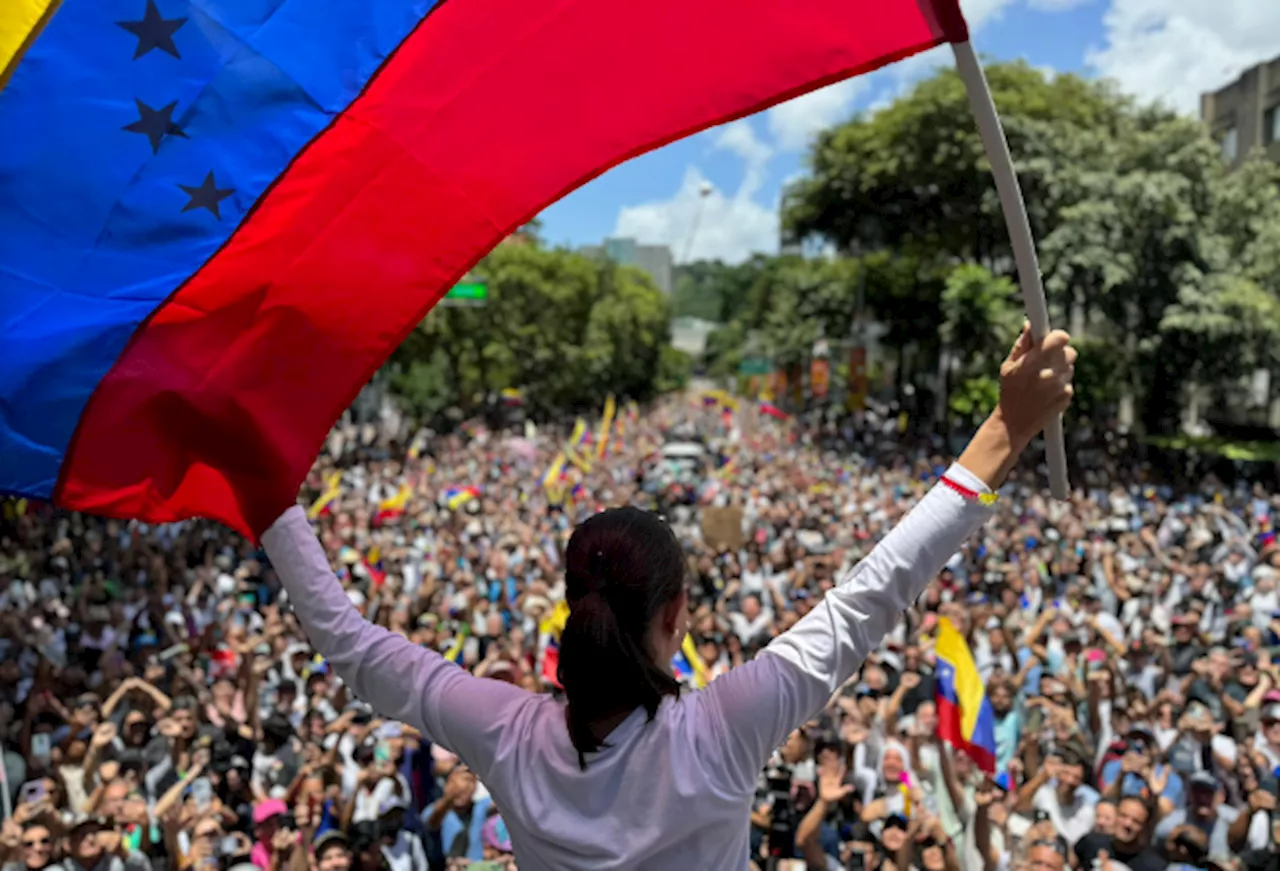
(952, 647)
(606, 423)
(690, 650)
(20, 23)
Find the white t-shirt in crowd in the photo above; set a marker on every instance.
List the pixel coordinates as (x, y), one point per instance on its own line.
(672, 793)
(406, 853)
(1074, 819)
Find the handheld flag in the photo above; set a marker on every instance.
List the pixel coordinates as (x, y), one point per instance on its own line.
(606, 423)
(394, 506)
(512, 397)
(579, 439)
(216, 219)
(688, 665)
(373, 567)
(553, 625)
(13, 508)
(553, 478)
(965, 718)
(332, 490)
(771, 410)
(456, 497)
(454, 651)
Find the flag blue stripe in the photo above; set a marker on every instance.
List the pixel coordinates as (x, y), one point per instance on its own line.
(984, 730)
(945, 685)
(93, 232)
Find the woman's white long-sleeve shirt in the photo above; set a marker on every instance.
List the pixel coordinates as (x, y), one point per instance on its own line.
(671, 794)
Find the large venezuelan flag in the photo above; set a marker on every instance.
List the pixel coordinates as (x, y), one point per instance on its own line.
(218, 217)
(965, 718)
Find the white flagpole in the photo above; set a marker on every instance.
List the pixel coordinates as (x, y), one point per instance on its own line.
(1015, 218)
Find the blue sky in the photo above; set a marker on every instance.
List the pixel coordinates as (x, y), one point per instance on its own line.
(1167, 50)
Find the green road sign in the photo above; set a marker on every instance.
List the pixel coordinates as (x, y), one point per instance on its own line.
(754, 366)
(467, 293)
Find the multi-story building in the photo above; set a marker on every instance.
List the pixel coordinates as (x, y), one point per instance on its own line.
(1245, 115)
(653, 259)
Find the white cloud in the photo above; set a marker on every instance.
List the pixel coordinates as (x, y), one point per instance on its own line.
(1172, 50)
(794, 123)
(1056, 5)
(740, 139)
(979, 12)
(710, 226)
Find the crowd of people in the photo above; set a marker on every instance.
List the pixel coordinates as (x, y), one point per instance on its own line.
(160, 707)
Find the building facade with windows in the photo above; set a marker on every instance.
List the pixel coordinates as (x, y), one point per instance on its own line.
(1245, 115)
(653, 259)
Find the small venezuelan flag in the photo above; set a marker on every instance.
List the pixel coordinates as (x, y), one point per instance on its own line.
(454, 653)
(552, 479)
(393, 506)
(553, 625)
(579, 439)
(728, 468)
(373, 565)
(768, 408)
(606, 425)
(332, 490)
(688, 665)
(965, 718)
(456, 497)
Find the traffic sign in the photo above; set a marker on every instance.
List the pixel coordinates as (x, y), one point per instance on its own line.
(467, 293)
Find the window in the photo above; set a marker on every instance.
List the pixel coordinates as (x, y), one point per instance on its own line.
(1230, 141)
(1271, 125)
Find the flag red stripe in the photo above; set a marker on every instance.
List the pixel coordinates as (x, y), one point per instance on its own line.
(488, 112)
(951, 731)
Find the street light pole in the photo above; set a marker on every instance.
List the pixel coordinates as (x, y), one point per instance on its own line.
(705, 190)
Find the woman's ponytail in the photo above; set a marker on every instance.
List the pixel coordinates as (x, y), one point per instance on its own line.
(622, 566)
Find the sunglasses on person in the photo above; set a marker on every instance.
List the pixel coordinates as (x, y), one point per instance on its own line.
(1058, 847)
(46, 841)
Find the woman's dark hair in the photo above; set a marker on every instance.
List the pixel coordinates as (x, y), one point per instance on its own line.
(621, 567)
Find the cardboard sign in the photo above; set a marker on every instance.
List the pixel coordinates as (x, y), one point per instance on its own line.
(722, 528)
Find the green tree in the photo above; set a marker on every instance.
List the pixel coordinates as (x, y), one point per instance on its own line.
(565, 329)
(1169, 260)
(980, 312)
(913, 177)
(716, 291)
(1169, 255)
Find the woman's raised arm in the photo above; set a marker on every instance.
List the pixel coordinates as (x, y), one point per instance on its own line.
(398, 678)
(795, 676)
